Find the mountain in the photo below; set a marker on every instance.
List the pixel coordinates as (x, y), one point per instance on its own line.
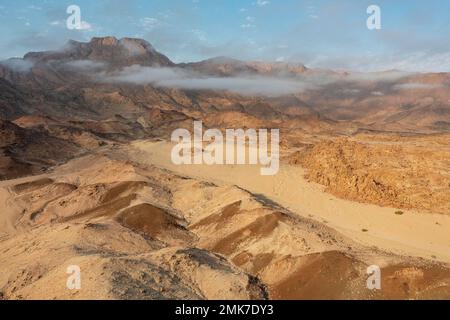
(13, 101)
(68, 86)
(27, 151)
(87, 179)
(116, 53)
(71, 82)
(223, 66)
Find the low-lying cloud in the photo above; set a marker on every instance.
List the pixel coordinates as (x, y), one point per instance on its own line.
(386, 76)
(18, 65)
(254, 85)
(414, 86)
(183, 79)
(85, 65)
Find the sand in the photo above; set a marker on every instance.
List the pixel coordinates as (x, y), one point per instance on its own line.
(140, 231)
(417, 234)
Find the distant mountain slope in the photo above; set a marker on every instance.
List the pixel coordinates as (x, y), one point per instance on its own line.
(223, 66)
(27, 151)
(12, 101)
(70, 83)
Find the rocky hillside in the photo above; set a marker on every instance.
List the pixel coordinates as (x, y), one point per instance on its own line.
(404, 172)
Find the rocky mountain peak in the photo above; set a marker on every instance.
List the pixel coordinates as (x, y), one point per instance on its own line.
(116, 53)
(105, 41)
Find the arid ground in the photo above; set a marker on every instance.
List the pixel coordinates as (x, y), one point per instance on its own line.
(87, 180)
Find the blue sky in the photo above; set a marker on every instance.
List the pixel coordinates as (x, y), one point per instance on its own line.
(321, 33)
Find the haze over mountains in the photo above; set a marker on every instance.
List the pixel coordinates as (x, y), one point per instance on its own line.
(83, 146)
(388, 100)
(120, 85)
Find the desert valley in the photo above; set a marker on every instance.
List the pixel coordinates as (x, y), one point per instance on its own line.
(87, 179)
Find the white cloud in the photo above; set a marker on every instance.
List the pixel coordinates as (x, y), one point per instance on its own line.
(149, 23)
(410, 62)
(387, 76)
(85, 65)
(200, 35)
(247, 25)
(182, 79)
(414, 86)
(262, 3)
(33, 7)
(18, 65)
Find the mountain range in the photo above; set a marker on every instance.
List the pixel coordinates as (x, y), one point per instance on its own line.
(85, 179)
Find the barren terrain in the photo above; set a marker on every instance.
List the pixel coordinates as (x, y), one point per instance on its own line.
(87, 180)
